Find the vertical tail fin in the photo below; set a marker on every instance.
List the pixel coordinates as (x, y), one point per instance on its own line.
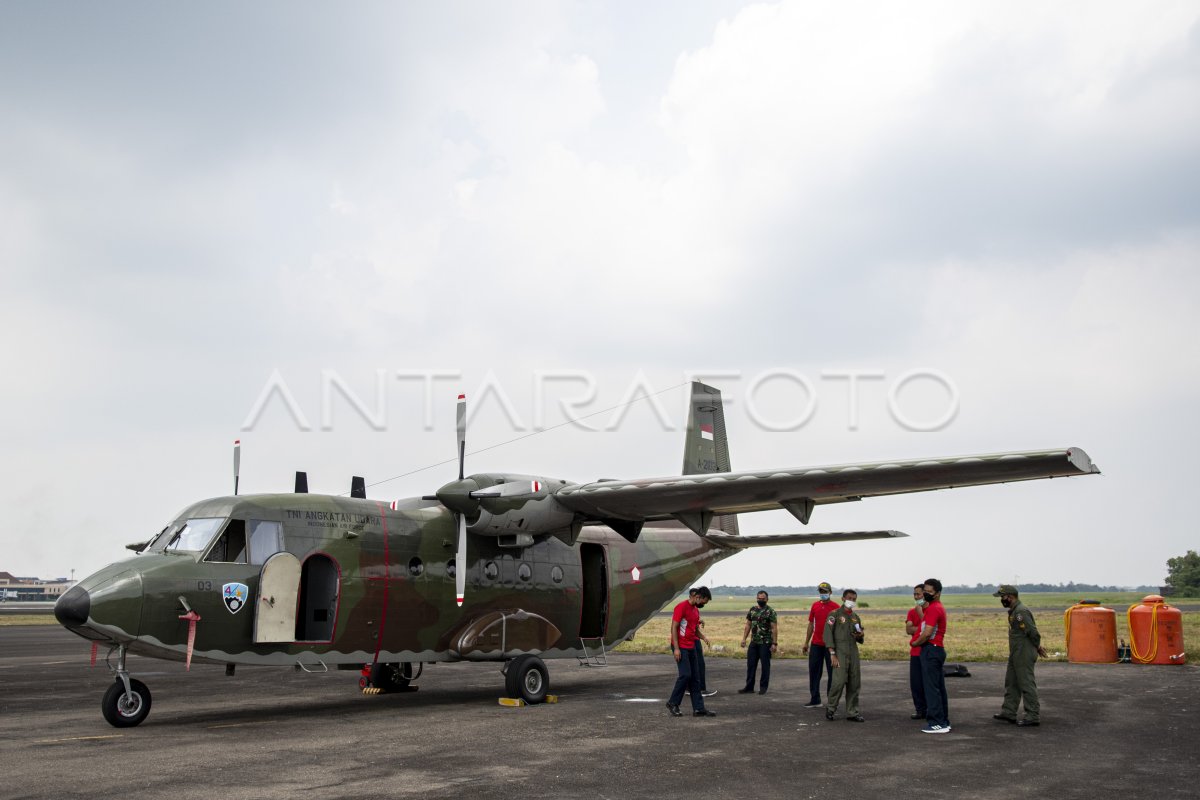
(706, 448)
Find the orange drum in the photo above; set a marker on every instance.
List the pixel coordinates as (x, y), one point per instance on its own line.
(1156, 632)
(1091, 633)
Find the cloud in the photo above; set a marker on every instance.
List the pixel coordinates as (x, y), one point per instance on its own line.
(193, 201)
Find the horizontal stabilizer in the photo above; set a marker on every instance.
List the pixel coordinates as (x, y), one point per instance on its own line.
(775, 539)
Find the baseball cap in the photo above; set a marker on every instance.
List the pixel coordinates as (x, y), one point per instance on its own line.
(1006, 589)
(824, 586)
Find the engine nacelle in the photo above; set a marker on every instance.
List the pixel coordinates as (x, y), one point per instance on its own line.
(513, 508)
(516, 504)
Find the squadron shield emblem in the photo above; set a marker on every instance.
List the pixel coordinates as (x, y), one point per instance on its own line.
(235, 596)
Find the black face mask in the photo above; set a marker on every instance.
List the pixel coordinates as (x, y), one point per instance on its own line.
(1004, 601)
(928, 597)
(762, 603)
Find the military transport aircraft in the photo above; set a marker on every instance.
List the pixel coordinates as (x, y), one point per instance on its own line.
(554, 569)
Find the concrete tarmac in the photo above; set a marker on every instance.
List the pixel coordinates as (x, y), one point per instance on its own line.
(1107, 730)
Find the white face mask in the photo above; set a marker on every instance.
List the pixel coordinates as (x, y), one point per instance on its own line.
(850, 604)
(824, 597)
(920, 602)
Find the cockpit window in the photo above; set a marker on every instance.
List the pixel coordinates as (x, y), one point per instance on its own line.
(194, 535)
(231, 547)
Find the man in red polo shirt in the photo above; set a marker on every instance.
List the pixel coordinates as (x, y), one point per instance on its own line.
(912, 626)
(933, 659)
(818, 653)
(685, 621)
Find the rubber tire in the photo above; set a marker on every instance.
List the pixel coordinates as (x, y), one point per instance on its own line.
(119, 717)
(390, 678)
(528, 679)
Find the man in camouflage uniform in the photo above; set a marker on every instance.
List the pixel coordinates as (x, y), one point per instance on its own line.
(843, 634)
(762, 629)
(1024, 647)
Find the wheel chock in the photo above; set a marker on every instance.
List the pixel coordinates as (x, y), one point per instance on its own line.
(516, 702)
(372, 690)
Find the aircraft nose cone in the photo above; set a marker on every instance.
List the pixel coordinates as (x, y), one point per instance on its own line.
(74, 607)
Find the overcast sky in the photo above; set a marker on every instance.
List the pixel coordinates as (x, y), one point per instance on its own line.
(204, 201)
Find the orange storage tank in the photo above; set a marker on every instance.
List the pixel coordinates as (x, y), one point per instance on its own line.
(1156, 632)
(1091, 633)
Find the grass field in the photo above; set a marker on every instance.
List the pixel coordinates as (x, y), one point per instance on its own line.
(27, 619)
(976, 632)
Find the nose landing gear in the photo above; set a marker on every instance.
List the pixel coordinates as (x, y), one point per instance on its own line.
(127, 701)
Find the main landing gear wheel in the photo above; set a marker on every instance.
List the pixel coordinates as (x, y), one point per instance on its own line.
(527, 679)
(122, 711)
(393, 677)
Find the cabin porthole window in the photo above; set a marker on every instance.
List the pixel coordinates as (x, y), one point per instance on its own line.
(416, 567)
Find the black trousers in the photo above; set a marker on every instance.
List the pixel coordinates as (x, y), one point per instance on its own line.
(916, 683)
(756, 654)
(818, 656)
(937, 704)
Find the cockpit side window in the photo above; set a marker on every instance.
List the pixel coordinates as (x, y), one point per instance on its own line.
(194, 535)
(231, 547)
(266, 539)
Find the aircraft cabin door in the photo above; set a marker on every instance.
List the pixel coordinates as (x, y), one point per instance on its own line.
(593, 618)
(278, 589)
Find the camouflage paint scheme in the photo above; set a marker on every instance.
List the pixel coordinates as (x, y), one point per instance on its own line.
(383, 611)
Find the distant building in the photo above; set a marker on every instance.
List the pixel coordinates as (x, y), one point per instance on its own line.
(14, 588)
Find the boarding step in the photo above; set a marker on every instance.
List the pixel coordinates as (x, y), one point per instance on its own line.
(596, 656)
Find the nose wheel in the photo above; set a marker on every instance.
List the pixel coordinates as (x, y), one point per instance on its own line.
(125, 708)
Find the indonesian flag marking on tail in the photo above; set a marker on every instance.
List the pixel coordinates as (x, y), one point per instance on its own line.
(458, 598)
(537, 486)
(706, 432)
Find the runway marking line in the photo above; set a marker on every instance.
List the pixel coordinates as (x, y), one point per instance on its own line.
(231, 725)
(79, 739)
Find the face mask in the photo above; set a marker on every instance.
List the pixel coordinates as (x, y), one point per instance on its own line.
(1004, 602)
(824, 597)
(762, 603)
(928, 597)
(850, 604)
(920, 602)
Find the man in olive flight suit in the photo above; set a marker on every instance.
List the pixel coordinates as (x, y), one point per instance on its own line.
(1024, 647)
(843, 634)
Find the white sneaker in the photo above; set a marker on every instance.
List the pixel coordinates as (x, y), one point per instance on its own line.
(708, 692)
(936, 729)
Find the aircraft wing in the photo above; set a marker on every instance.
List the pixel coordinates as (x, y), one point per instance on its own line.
(691, 497)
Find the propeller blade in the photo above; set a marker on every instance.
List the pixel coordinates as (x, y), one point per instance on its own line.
(460, 561)
(237, 463)
(462, 433)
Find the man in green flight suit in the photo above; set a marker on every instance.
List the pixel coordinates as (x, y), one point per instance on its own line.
(1024, 647)
(843, 634)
